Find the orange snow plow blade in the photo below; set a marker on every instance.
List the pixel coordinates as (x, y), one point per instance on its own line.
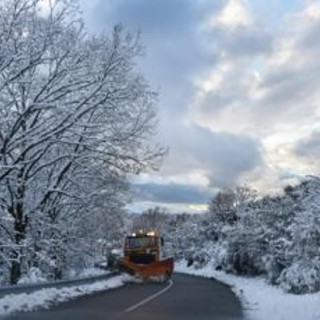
(155, 269)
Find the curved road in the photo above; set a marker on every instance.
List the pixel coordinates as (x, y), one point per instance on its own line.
(184, 298)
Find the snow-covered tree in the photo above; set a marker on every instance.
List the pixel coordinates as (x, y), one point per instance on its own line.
(228, 205)
(75, 119)
(151, 219)
(302, 274)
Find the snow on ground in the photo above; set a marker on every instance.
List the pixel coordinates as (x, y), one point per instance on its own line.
(89, 272)
(34, 276)
(260, 300)
(47, 297)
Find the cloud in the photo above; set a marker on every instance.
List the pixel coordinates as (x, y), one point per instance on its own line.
(245, 42)
(201, 163)
(233, 15)
(266, 88)
(177, 208)
(239, 91)
(277, 76)
(221, 156)
(172, 193)
(176, 45)
(225, 96)
(226, 156)
(309, 147)
(289, 87)
(236, 32)
(153, 17)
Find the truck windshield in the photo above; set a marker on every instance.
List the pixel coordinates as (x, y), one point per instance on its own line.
(137, 242)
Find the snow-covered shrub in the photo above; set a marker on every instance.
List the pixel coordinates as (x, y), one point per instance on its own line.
(200, 258)
(241, 258)
(275, 236)
(217, 252)
(273, 269)
(276, 259)
(34, 275)
(301, 277)
(302, 272)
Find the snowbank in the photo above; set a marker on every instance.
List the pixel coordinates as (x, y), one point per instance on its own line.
(47, 297)
(260, 300)
(89, 272)
(33, 276)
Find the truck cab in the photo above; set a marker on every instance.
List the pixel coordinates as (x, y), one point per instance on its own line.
(143, 255)
(143, 248)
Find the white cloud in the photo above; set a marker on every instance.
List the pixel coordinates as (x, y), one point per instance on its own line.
(272, 95)
(312, 11)
(283, 52)
(233, 15)
(253, 85)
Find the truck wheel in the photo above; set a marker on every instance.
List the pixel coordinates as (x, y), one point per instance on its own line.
(166, 277)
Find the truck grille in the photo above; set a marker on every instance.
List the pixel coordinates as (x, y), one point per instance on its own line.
(142, 258)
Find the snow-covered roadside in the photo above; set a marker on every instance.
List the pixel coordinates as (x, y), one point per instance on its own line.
(260, 300)
(47, 297)
(89, 272)
(35, 276)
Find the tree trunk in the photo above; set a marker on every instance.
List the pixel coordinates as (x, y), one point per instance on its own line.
(15, 270)
(20, 226)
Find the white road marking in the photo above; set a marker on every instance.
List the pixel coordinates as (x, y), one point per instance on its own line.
(156, 295)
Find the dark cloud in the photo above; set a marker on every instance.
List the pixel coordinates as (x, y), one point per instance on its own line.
(219, 100)
(292, 86)
(310, 40)
(289, 88)
(155, 17)
(176, 47)
(225, 157)
(172, 193)
(177, 52)
(309, 147)
(164, 18)
(180, 51)
(246, 41)
(289, 176)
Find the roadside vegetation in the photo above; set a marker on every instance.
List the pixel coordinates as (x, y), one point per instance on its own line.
(76, 118)
(277, 237)
(75, 121)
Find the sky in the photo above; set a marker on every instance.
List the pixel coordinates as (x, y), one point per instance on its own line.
(238, 84)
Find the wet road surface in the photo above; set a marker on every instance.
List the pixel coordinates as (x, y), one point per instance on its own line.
(184, 298)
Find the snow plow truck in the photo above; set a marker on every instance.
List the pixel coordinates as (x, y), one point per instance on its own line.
(143, 256)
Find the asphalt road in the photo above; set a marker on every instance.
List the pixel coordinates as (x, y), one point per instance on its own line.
(184, 298)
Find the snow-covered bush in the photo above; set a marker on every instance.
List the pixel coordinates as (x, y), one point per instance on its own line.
(242, 257)
(301, 277)
(34, 275)
(273, 269)
(274, 236)
(199, 259)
